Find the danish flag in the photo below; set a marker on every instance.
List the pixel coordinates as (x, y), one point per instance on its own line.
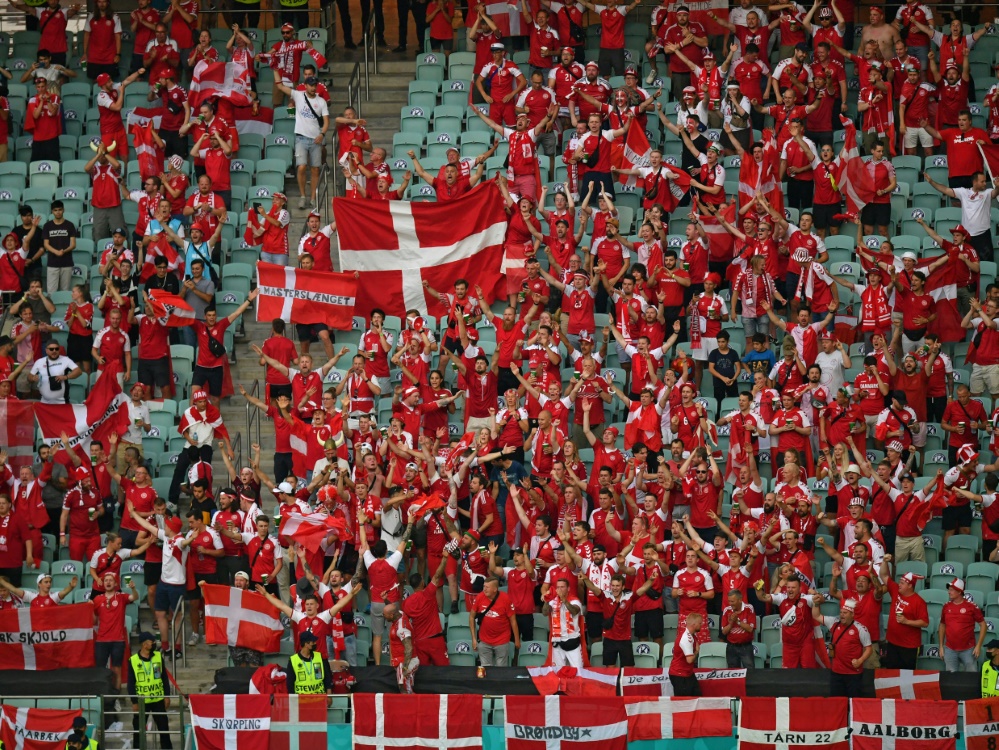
(408, 722)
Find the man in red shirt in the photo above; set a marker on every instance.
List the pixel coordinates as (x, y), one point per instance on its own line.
(681, 668)
(690, 38)
(907, 617)
(849, 648)
(964, 158)
(493, 622)
(209, 369)
(796, 625)
(521, 581)
(109, 615)
(421, 607)
(956, 634)
(81, 507)
(42, 120)
(738, 626)
(505, 84)
(914, 111)
(881, 173)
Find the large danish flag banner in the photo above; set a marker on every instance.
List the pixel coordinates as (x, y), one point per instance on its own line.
(409, 722)
(396, 246)
(792, 723)
(239, 618)
(231, 722)
(678, 718)
(36, 728)
(299, 296)
(298, 718)
(981, 723)
(903, 724)
(562, 722)
(42, 638)
(907, 683)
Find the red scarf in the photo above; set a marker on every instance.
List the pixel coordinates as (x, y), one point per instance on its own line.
(874, 312)
(711, 83)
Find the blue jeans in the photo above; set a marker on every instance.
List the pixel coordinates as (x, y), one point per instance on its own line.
(954, 659)
(278, 258)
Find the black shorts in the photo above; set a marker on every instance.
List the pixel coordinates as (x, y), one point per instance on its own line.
(104, 650)
(525, 623)
(594, 625)
(649, 623)
(155, 372)
(957, 517)
(151, 573)
(822, 215)
(876, 214)
(275, 390)
(309, 332)
(78, 347)
(193, 595)
(210, 377)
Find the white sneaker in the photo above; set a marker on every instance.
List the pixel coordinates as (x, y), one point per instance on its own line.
(116, 726)
(651, 76)
(301, 202)
(193, 640)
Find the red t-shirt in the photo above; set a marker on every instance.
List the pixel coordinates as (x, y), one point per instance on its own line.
(109, 612)
(495, 630)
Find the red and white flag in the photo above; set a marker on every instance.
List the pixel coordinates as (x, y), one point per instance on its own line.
(792, 723)
(261, 123)
(301, 717)
(942, 286)
(398, 245)
(269, 679)
(312, 530)
(104, 411)
(632, 153)
(678, 718)
(253, 221)
(902, 724)
(981, 723)
(301, 296)
(161, 247)
(857, 187)
(170, 309)
(721, 243)
(907, 683)
(17, 431)
(231, 722)
(148, 154)
(763, 175)
(721, 683)
(36, 728)
(990, 155)
(44, 638)
(408, 722)
(572, 681)
(144, 115)
(645, 681)
(563, 722)
(244, 619)
(224, 80)
(506, 16)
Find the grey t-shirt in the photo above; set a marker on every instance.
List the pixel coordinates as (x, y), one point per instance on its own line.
(206, 286)
(52, 495)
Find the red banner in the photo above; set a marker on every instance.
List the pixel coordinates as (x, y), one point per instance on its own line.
(907, 683)
(170, 309)
(224, 80)
(225, 722)
(562, 722)
(17, 432)
(902, 724)
(161, 247)
(792, 723)
(302, 717)
(409, 722)
(678, 718)
(981, 724)
(44, 638)
(396, 246)
(301, 296)
(36, 728)
(572, 681)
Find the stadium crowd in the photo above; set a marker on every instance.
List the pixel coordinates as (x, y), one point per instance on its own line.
(754, 434)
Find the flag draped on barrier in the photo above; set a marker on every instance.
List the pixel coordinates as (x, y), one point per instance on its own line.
(903, 724)
(231, 722)
(36, 728)
(792, 723)
(678, 718)
(561, 722)
(44, 638)
(407, 722)
(301, 717)
(907, 683)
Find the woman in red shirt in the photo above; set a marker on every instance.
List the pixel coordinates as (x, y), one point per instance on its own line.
(80, 316)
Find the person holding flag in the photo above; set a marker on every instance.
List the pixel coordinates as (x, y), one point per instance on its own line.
(106, 191)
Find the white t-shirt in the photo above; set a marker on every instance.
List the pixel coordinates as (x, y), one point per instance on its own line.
(306, 123)
(832, 370)
(135, 432)
(975, 209)
(46, 367)
(174, 571)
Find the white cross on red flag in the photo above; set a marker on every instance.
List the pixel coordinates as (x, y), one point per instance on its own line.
(563, 722)
(298, 722)
(877, 724)
(792, 723)
(306, 297)
(244, 619)
(409, 722)
(678, 718)
(36, 728)
(907, 683)
(231, 722)
(43, 638)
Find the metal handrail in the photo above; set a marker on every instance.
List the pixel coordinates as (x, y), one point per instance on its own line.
(252, 415)
(323, 193)
(180, 611)
(354, 88)
(370, 41)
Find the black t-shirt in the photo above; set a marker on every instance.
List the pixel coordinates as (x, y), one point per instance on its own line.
(169, 283)
(59, 237)
(724, 363)
(687, 160)
(36, 242)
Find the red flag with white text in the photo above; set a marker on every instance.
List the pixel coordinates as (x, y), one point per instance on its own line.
(161, 247)
(300, 296)
(227, 722)
(678, 718)
(36, 728)
(564, 722)
(407, 722)
(44, 638)
(907, 683)
(396, 246)
(792, 723)
(241, 618)
(877, 724)
(104, 411)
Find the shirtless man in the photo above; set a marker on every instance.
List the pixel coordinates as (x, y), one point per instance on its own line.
(881, 32)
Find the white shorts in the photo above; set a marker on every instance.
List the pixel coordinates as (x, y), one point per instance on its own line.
(707, 346)
(984, 376)
(917, 136)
